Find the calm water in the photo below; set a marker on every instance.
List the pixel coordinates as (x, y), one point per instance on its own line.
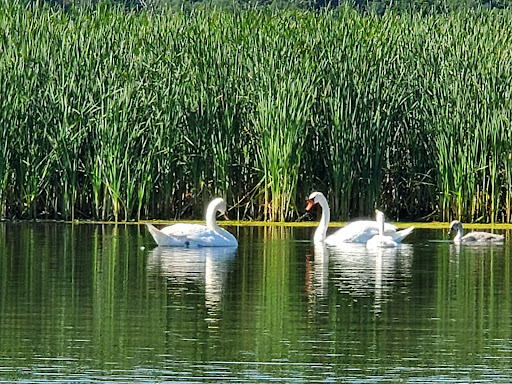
(98, 303)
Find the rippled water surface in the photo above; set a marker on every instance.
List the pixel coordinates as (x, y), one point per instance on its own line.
(99, 303)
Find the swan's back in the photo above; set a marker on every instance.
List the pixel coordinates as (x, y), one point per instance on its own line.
(482, 237)
(186, 230)
(358, 232)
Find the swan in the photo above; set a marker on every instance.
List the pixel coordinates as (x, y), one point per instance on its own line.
(473, 237)
(359, 231)
(381, 240)
(196, 235)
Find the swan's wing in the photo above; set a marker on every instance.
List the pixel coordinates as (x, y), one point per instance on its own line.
(185, 230)
(482, 237)
(166, 238)
(228, 239)
(209, 238)
(357, 232)
(203, 236)
(398, 236)
(180, 235)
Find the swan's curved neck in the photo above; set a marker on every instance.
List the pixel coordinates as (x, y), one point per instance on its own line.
(460, 233)
(321, 231)
(380, 222)
(211, 216)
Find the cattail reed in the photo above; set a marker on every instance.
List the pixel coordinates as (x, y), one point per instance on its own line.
(115, 115)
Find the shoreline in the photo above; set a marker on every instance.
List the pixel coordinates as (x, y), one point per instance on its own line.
(234, 223)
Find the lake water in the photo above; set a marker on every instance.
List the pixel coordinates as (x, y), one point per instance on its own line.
(99, 303)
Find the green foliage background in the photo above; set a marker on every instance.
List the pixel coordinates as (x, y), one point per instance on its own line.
(109, 113)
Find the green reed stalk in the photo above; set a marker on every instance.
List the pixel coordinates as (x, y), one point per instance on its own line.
(115, 114)
(281, 122)
(5, 151)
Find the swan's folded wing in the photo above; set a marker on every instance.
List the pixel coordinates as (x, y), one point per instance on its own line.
(482, 237)
(400, 235)
(357, 232)
(197, 235)
(210, 238)
(165, 239)
(498, 238)
(203, 237)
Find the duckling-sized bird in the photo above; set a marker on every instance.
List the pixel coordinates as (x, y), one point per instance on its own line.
(381, 240)
(473, 237)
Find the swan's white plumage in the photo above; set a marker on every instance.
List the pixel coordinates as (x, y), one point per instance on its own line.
(381, 240)
(473, 237)
(196, 235)
(359, 231)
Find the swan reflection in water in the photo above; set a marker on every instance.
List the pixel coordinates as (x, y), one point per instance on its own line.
(362, 272)
(206, 267)
(317, 273)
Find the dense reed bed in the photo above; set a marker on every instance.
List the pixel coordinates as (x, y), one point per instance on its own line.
(108, 114)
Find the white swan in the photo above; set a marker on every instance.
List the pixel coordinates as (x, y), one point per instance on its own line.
(355, 232)
(196, 235)
(473, 237)
(381, 240)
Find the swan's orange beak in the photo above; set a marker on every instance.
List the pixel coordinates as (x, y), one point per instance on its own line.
(309, 205)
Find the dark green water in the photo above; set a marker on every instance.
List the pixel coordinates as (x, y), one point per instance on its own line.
(91, 303)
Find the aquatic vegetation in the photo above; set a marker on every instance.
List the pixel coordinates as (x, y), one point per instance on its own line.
(117, 115)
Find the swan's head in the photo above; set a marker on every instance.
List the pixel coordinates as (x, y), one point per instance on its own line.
(216, 205)
(454, 226)
(220, 205)
(314, 198)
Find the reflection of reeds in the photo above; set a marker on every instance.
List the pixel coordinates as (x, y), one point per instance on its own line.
(471, 288)
(109, 114)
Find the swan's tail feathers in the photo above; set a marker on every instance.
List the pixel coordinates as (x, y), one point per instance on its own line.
(161, 238)
(400, 235)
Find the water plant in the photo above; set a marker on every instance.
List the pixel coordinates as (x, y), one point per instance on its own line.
(119, 115)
